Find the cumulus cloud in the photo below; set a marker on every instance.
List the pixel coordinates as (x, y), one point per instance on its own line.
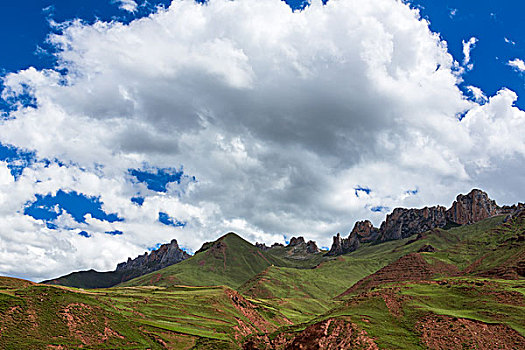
(517, 64)
(279, 116)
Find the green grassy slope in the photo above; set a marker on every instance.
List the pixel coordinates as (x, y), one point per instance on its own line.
(35, 316)
(88, 279)
(454, 313)
(408, 315)
(229, 261)
(301, 293)
(277, 304)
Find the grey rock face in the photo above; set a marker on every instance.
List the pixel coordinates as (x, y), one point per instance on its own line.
(262, 246)
(164, 256)
(402, 223)
(365, 231)
(343, 245)
(296, 241)
(311, 247)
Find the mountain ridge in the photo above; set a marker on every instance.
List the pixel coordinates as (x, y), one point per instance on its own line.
(458, 285)
(164, 256)
(399, 224)
(404, 222)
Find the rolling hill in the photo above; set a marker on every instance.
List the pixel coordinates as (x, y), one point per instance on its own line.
(229, 261)
(450, 287)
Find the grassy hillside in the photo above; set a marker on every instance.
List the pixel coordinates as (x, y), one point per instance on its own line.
(299, 294)
(88, 279)
(229, 261)
(37, 316)
(232, 295)
(455, 313)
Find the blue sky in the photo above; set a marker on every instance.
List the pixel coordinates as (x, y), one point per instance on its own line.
(24, 27)
(127, 123)
(491, 22)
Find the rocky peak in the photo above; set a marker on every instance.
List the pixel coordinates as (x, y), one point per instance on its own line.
(311, 247)
(296, 241)
(343, 245)
(402, 223)
(365, 231)
(262, 246)
(472, 207)
(166, 255)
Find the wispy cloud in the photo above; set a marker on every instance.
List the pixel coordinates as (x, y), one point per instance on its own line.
(508, 41)
(467, 48)
(477, 94)
(517, 64)
(128, 5)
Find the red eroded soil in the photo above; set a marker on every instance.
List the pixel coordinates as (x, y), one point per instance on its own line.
(445, 332)
(84, 325)
(394, 301)
(411, 267)
(512, 268)
(256, 322)
(330, 334)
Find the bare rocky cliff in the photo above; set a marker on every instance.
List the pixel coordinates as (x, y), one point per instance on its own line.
(472, 207)
(402, 223)
(166, 255)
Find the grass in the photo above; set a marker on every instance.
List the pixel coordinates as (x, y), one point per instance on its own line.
(229, 261)
(89, 279)
(194, 305)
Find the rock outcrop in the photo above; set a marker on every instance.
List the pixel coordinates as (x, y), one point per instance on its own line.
(403, 223)
(343, 245)
(262, 246)
(296, 241)
(164, 256)
(472, 207)
(311, 247)
(365, 231)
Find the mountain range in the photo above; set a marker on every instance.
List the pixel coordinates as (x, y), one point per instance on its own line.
(425, 278)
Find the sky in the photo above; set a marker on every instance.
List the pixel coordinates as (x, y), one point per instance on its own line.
(127, 123)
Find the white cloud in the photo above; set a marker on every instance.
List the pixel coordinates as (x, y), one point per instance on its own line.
(477, 93)
(127, 5)
(508, 41)
(467, 47)
(278, 114)
(517, 64)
